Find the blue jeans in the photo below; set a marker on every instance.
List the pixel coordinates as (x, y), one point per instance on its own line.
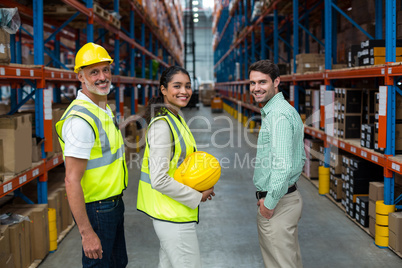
(107, 220)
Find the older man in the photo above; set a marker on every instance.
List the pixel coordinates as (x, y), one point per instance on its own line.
(96, 171)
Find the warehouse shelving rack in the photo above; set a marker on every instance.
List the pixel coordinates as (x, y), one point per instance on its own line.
(40, 77)
(234, 92)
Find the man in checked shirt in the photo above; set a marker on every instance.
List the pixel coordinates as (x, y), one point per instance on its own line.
(280, 160)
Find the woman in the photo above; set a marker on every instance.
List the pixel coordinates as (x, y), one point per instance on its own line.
(173, 206)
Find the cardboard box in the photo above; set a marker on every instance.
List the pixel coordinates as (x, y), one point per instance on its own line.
(372, 226)
(311, 168)
(395, 223)
(395, 242)
(20, 244)
(17, 131)
(371, 208)
(36, 149)
(10, 262)
(5, 54)
(376, 191)
(5, 251)
(395, 231)
(351, 100)
(67, 218)
(39, 227)
(349, 125)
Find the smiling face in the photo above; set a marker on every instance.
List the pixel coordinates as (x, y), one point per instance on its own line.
(262, 87)
(96, 78)
(178, 91)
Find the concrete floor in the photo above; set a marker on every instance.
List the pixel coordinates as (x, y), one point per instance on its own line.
(227, 230)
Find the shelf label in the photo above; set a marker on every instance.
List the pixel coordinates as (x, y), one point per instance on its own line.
(319, 135)
(322, 94)
(8, 187)
(55, 161)
(383, 101)
(389, 70)
(342, 145)
(52, 74)
(382, 71)
(374, 158)
(2, 71)
(313, 133)
(61, 75)
(307, 131)
(353, 149)
(69, 76)
(335, 142)
(363, 153)
(35, 172)
(328, 139)
(292, 93)
(22, 179)
(396, 167)
(17, 72)
(31, 72)
(47, 104)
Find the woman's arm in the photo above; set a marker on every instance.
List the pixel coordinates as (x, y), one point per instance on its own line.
(160, 153)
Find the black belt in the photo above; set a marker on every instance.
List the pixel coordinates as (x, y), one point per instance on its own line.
(112, 198)
(262, 194)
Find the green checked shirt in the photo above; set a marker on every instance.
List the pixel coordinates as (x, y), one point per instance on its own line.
(280, 150)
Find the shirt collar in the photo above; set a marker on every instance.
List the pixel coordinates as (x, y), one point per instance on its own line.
(271, 103)
(82, 96)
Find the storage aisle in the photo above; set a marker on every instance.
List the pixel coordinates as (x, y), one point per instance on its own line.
(227, 231)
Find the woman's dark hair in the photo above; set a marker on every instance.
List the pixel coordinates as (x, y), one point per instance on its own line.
(156, 105)
(265, 67)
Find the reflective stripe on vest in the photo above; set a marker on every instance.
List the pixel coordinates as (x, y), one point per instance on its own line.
(154, 203)
(107, 156)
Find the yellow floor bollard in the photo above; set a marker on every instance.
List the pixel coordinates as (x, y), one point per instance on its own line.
(52, 229)
(323, 180)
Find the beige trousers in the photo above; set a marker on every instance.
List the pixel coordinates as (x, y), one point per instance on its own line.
(278, 236)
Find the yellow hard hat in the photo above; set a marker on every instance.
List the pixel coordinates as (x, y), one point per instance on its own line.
(90, 54)
(199, 170)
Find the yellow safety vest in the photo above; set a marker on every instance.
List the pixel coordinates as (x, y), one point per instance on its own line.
(106, 172)
(154, 203)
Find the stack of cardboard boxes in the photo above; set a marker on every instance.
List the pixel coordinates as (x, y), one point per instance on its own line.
(207, 93)
(357, 175)
(367, 136)
(335, 171)
(361, 213)
(29, 240)
(371, 52)
(348, 112)
(395, 231)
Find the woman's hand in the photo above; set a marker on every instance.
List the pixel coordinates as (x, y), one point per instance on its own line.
(207, 194)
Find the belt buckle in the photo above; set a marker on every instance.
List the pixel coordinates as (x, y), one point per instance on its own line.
(257, 195)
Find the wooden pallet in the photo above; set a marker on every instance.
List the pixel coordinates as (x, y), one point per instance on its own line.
(58, 10)
(101, 12)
